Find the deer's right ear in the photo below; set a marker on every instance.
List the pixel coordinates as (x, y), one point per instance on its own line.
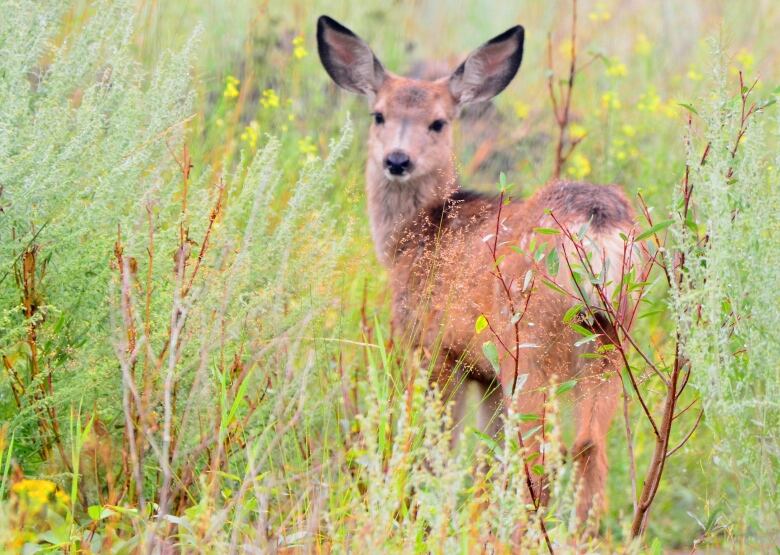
(347, 58)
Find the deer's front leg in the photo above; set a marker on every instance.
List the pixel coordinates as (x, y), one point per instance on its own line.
(529, 399)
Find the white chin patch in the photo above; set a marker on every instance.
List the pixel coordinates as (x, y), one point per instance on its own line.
(397, 178)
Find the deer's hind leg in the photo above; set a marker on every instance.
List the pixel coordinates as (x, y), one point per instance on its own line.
(596, 397)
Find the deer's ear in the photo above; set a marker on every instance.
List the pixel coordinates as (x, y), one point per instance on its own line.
(489, 69)
(347, 58)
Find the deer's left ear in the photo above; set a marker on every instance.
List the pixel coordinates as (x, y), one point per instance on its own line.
(489, 69)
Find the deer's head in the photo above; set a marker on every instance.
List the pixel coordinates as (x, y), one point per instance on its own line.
(411, 132)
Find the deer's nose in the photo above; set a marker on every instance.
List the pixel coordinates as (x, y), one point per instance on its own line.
(398, 162)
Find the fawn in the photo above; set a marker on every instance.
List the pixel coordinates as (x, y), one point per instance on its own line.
(431, 235)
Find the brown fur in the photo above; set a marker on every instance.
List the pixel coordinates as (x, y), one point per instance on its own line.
(431, 236)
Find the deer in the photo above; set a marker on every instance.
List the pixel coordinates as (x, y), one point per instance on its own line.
(432, 237)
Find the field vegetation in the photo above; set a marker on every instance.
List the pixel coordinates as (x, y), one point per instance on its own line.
(195, 343)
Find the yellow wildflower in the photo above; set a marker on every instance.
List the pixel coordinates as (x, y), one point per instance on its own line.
(576, 131)
(564, 49)
(269, 99)
(610, 101)
(250, 134)
(299, 51)
(628, 130)
(745, 59)
(307, 147)
(649, 102)
(231, 87)
(522, 109)
(580, 166)
(39, 492)
(643, 46)
(617, 70)
(670, 108)
(694, 75)
(601, 13)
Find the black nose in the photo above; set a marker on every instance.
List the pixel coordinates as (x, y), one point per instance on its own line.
(398, 162)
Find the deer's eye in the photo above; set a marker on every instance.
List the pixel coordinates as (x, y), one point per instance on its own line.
(379, 118)
(437, 125)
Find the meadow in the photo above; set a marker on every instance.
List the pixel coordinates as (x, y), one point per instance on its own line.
(195, 334)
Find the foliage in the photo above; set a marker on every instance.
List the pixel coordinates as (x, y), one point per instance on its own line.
(194, 332)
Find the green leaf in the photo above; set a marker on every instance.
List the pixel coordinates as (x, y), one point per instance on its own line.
(572, 312)
(491, 353)
(96, 512)
(688, 107)
(582, 330)
(583, 230)
(555, 287)
(691, 225)
(653, 230)
(588, 339)
(565, 386)
(491, 443)
(529, 434)
(546, 231)
(528, 417)
(527, 280)
(553, 262)
(538, 469)
(480, 324)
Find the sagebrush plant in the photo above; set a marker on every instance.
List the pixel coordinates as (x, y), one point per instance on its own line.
(189, 352)
(83, 130)
(727, 307)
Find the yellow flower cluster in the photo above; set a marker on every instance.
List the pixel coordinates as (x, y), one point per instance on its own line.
(693, 74)
(522, 110)
(577, 131)
(610, 101)
(39, 492)
(307, 147)
(579, 167)
(250, 134)
(623, 149)
(269, 99)
(651, 102)
(745, 59)
(601, 13)
(617, 69)
(643, 46)
(299, 50)
(231, 87)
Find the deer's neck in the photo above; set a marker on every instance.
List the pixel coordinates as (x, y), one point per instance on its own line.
(397, 209)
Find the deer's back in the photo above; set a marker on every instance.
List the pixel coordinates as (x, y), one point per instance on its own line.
(444, 275)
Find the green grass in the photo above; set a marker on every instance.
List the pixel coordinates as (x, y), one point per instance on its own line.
(294, 424)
